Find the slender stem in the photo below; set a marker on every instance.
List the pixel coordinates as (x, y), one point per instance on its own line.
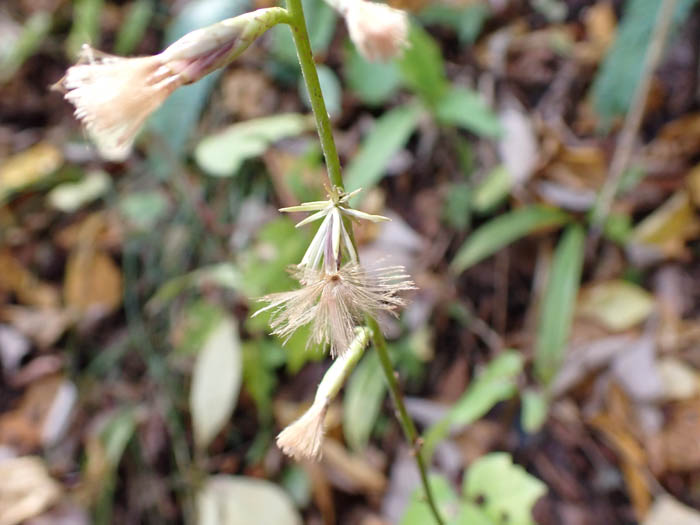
(325, 133)
(409, 429)
(313, 86)
(633, 119)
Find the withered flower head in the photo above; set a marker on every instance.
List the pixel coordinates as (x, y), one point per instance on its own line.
(380, 32)
(336, 302)
(113, 96)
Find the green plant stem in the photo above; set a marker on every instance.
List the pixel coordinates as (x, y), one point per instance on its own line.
(308, 69)
(409, 429)
(300, 34)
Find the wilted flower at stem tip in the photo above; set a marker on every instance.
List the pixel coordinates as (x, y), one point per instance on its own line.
(335, 302)
(113, 96)
(380, 32)
(303, 438)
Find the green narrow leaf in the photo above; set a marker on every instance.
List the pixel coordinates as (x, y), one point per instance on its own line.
(534, 411)
(619, 74)
(223, 153)
(390, 133)
(86, 25)
(216, 381)
(493, 189)
(465, 108)
(557, 309)
(16, 53)
(175, 120)
(363, 398)
(495, 384)
(138, 16)
(422, 67)
(504, 229)
(507, 490)
(374, 83)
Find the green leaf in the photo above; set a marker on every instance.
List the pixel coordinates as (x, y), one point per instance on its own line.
(457, 209)
(223, 154)
(493, 190)
(495, 384)
(504, 229)
(143, 210)
(374, 83)
(534, 411)
(466, 21)
(330, 88)
(15, 53)
(176, 119)
(465, 108)
(390, 133)
(557, 309)
(225, 275)
(235, 500)
(216, 381)
(131, 32)
(422, 67)
(71, 196)
(418, 513)
(621, 70)
(364, 393)
(470, 514)
(508, 491)
(86, 25)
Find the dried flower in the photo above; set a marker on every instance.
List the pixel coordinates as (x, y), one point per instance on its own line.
(380, 32)
(303, 438)
(113, 96)
(335, 302)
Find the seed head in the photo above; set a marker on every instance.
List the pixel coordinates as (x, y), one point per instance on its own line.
(336, 302)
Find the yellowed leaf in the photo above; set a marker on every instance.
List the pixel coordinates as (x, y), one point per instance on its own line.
(28, 167)
(618, 305)
(93, 282)
(26, 489)
(693, 181)
(665, 232)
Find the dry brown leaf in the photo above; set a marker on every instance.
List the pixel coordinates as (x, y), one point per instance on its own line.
(693, 182)
(616, 424)
(93, 282)
(44, 326)
(109, 231)
(25, 427)
(15, 278)
(680, 437)
(664, 233)
(351, 472)
(26, 489)
(28, 167)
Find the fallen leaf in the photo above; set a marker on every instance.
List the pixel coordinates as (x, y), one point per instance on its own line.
(680, 437)
(239, 500)
(28, 167)
(44, 326)
(26, 490)
(664, 233)
(216, 381)
(15, 278)
(668, 511)
(680, 381)
(618, 305)
(518, 146)
(351, 472)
